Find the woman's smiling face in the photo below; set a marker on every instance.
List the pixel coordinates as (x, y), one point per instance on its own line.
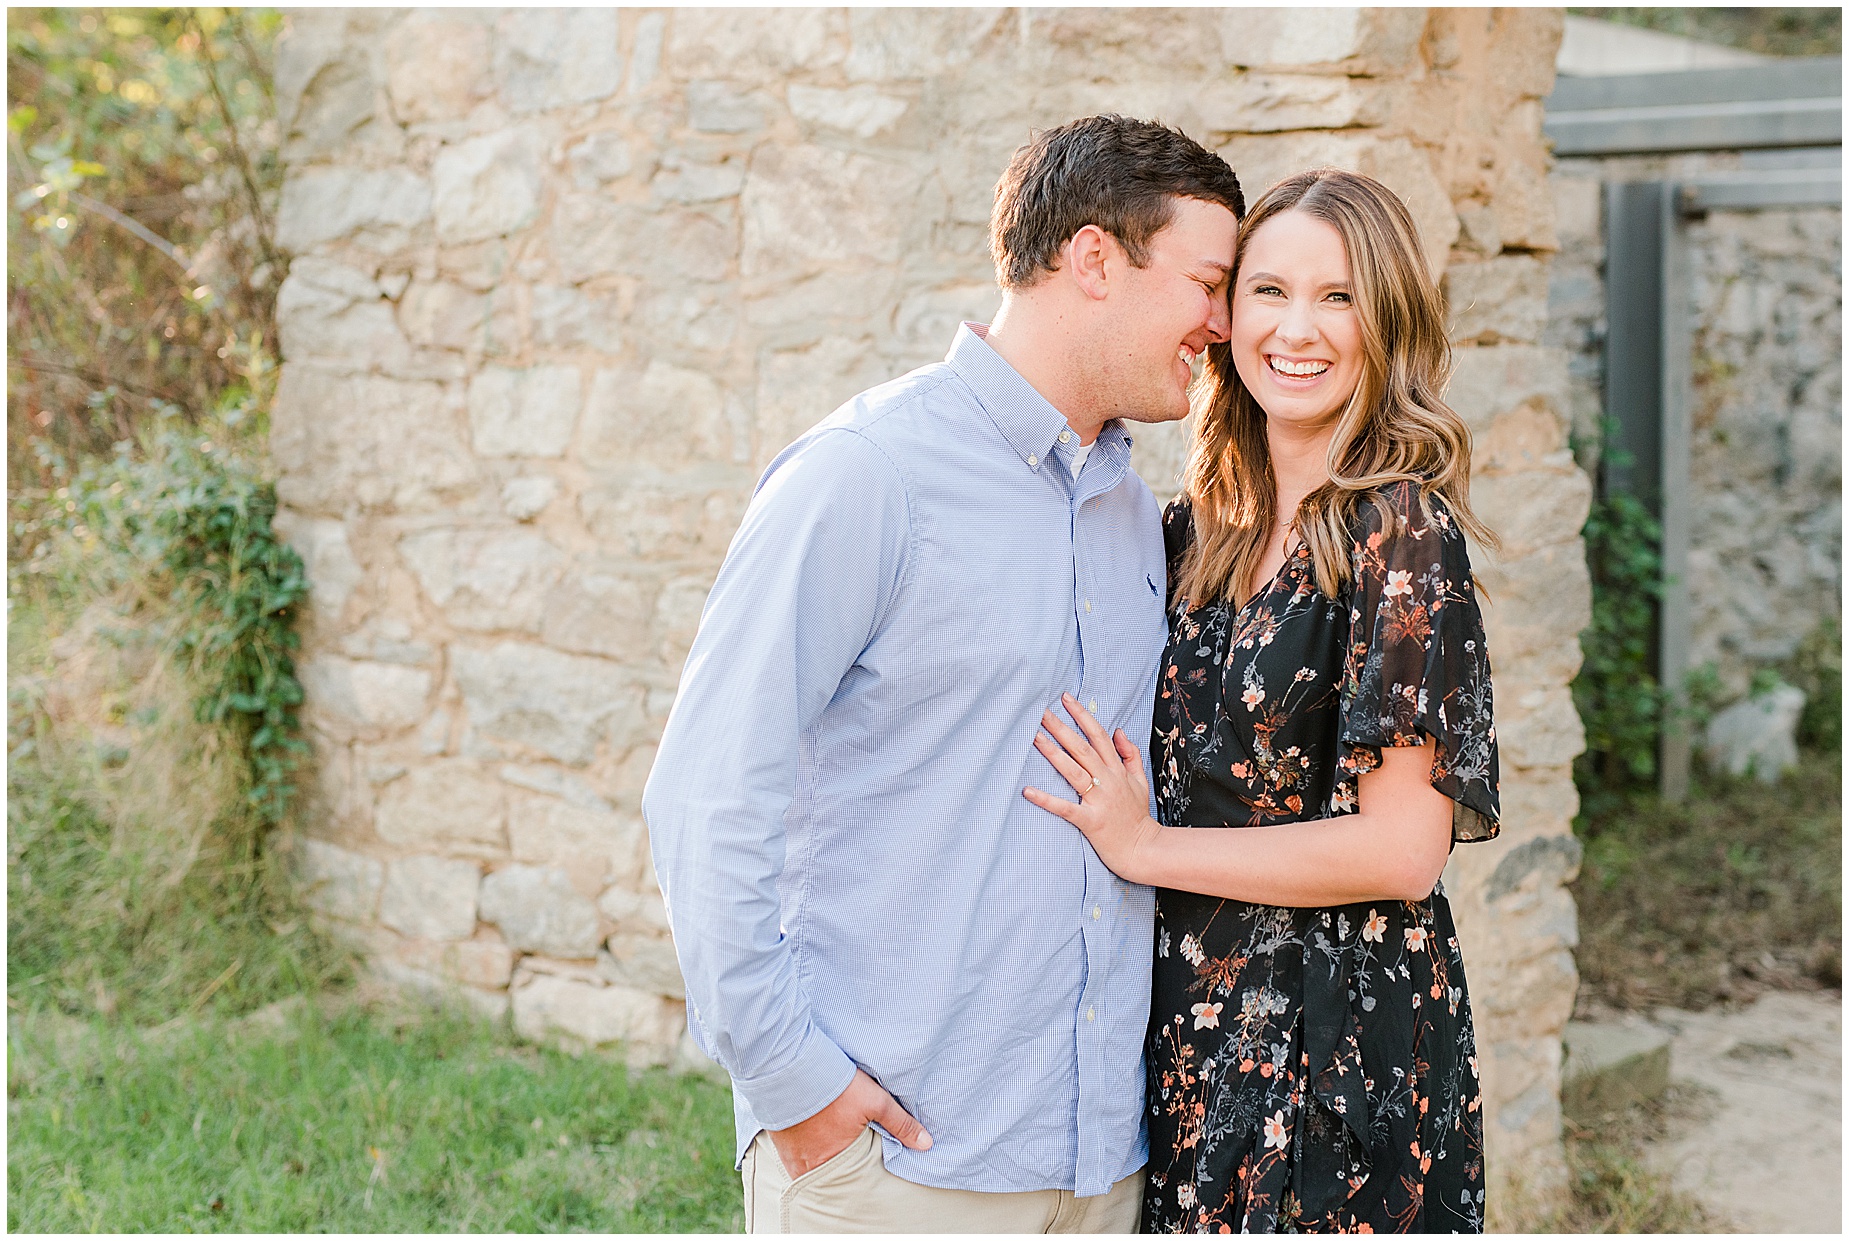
(1295, 336)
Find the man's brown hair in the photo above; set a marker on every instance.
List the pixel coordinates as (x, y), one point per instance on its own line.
(1120, 174)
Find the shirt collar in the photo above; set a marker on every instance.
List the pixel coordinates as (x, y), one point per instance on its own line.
(1027, 420)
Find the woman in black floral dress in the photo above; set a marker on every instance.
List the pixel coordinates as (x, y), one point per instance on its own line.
(1323, 734)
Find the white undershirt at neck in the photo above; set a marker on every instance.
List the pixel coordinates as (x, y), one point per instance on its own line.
(1079, 453)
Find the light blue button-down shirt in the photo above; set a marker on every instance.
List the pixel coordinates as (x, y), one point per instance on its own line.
(852, 874)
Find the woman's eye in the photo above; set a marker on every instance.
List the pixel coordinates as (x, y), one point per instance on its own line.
(1268, 290)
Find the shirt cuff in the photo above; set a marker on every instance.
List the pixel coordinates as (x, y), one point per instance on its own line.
(800, 1089)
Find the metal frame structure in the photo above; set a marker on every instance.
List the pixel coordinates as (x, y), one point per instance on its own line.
(1764, 112)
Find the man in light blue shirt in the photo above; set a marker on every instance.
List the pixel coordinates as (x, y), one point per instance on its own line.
(876, 928)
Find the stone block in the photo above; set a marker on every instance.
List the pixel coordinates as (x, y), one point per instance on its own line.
(859, 110)
(333, 573)
(1538, 727)
(897, 43)
(1266, 103)
(528, 412)
(538, 910)
(634, 911)
(671, 520)
(677, 615)
(484, 963)
(1497, 299)
(525, 498)
(759, 46)
(552, 58)
(592, 612)
(476, 964)
(327, 108)
(1488, 382)
(430, 897)
(797, 388)
(580, 1014)
(485, 579)
(797, 201)
(567, 318)
(685, 317)
(927, 320)
(1758, 734)
(425, 979)
(335, 313)
(1524, 205)
(340, 442)
(488, 186)
(695, 181)
(1611, 1066)
(561, 705)
(1263, 160)
(1521, 50)
(717, 107)
(338, 882)
(444, 315)
(1531, 436)
(642, 962)
(585, 842)
(666, 417)
(1382, 38)
(1578, 211)
(592, 236)
(1537, 604)
(381, 208)
(447, 807)
(1533, 509)
(1538, 863)
(598, 158)
(436, 66)
(349, 696)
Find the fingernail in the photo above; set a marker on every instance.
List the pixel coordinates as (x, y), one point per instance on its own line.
(924, 1140)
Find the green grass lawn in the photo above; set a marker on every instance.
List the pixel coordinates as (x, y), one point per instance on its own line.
(353, 1122)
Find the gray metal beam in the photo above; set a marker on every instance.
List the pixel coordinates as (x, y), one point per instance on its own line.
(1761, 189)
(1797, 77)
(1735, 126)
(1794, 102)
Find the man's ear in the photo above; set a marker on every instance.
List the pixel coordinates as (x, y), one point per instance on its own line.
(1088, 256)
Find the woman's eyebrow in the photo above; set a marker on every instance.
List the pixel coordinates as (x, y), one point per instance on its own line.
(1323, 287)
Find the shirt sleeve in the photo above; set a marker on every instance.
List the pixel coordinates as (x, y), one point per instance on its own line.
(1417, 668)
(804, 585)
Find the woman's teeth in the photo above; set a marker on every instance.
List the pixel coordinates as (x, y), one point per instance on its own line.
(1297, 370)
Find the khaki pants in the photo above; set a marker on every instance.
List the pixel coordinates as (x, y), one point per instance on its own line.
(853, 1192)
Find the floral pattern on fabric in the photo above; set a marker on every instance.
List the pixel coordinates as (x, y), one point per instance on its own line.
(1314, 1070)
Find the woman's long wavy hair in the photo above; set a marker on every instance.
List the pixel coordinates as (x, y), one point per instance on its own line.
(1395, 428)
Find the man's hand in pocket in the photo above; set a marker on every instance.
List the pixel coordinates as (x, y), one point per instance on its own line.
(809, 1144)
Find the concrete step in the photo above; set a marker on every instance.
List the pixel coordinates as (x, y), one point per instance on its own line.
(1611, 1065)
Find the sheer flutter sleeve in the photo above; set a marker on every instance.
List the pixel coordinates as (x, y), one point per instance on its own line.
(1416, 667)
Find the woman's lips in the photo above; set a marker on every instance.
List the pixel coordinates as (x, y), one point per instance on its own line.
(1297, 370)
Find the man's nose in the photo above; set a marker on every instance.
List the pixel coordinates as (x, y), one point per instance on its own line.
(1220, 319)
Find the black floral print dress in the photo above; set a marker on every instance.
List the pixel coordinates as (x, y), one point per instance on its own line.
(1314, 1070)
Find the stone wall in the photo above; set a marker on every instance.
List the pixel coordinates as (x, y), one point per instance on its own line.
(566, 280)
(1765, 308)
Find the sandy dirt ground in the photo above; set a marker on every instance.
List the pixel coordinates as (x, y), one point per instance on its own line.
(1762, 1150)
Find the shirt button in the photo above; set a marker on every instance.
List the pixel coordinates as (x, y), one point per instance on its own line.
(1092, 706)
(1088, 605)
(1091, 1014)
(1097, 912)
(1033, 460)
(1065, 437)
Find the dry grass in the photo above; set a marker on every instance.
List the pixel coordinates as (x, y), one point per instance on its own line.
(1733, 893)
